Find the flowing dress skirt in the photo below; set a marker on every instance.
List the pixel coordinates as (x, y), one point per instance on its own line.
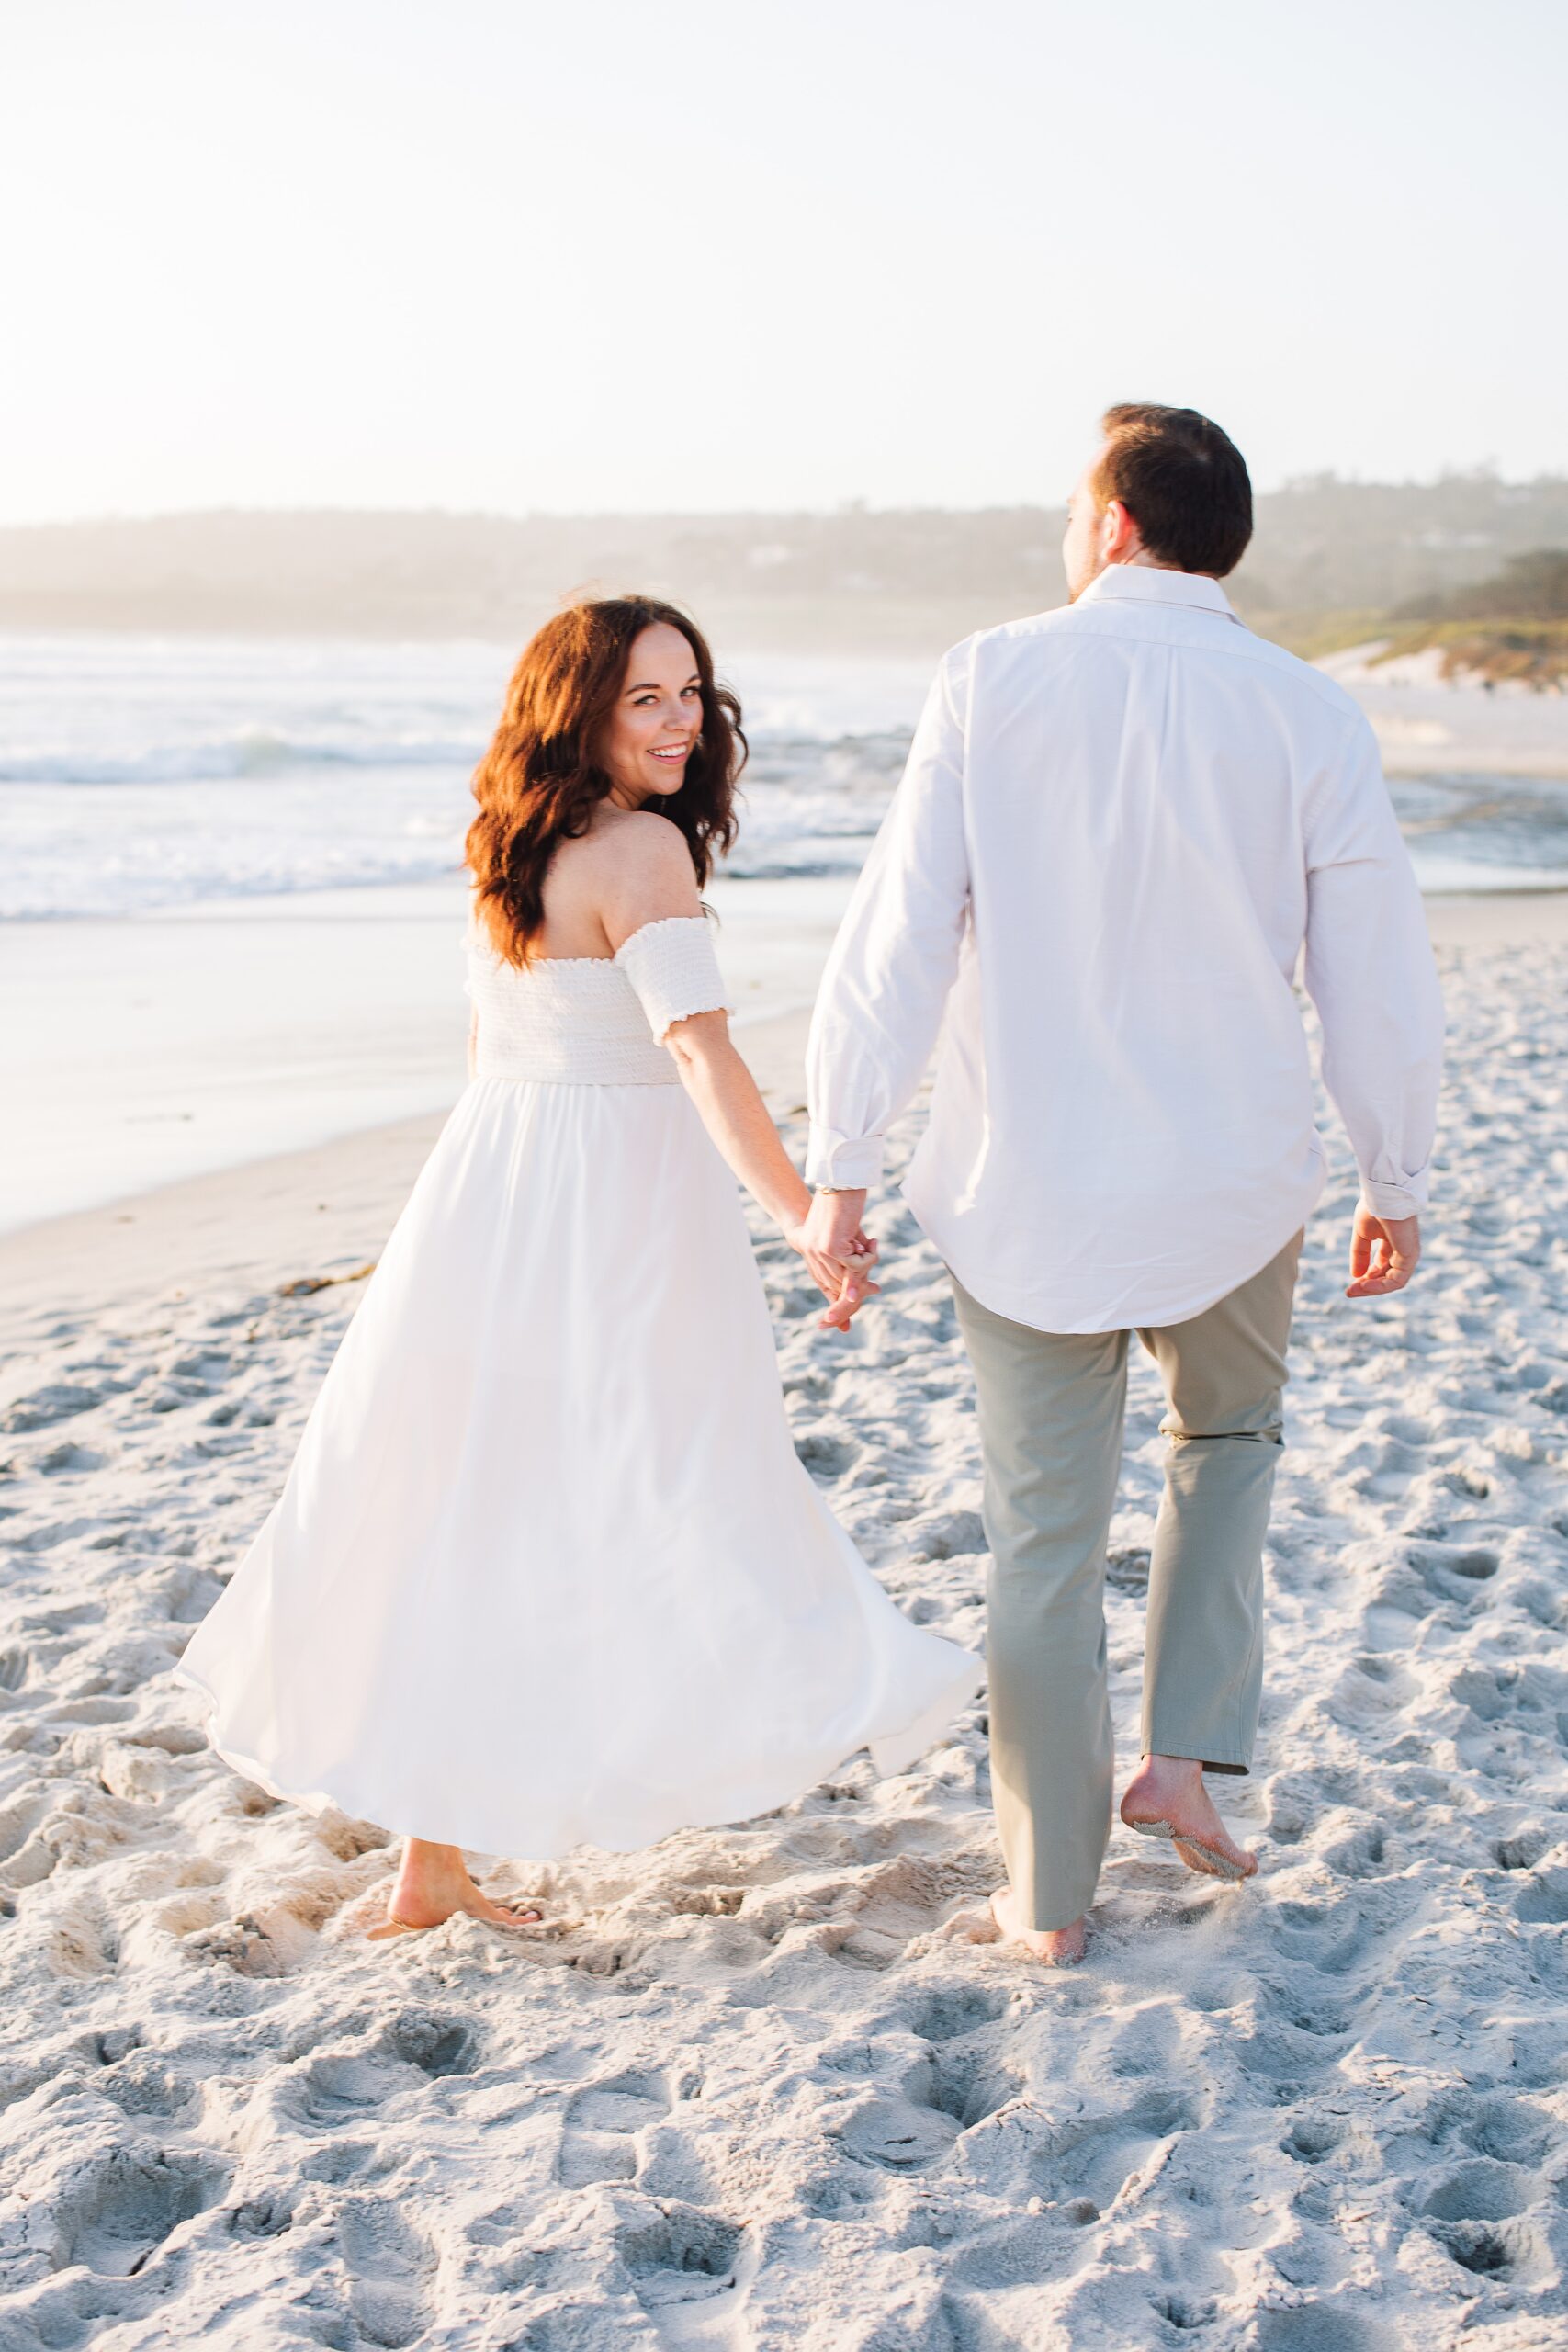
(546, 1570)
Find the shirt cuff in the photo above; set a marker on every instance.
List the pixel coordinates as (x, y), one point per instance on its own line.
(1395, 1201)
(849, 1164)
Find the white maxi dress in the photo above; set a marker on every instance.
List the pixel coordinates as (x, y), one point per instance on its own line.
(547, 1571)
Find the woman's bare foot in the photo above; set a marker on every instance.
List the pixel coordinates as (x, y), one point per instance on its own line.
(431, 1885)
(1000, 1922)
(1165, 1798)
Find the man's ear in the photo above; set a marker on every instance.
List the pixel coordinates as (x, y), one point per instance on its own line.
(1118, 531)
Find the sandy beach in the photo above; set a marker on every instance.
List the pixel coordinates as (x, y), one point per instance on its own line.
(1426, 724)
(444, 439)
(737, 2092)
(143, 1050)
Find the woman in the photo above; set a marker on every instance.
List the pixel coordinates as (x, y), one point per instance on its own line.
(547, 1571)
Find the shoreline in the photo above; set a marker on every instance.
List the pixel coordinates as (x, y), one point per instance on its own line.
(145, 1050)
(319, 1210)
(307, 1214)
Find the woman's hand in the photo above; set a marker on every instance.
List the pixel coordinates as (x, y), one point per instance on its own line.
(839, 1253)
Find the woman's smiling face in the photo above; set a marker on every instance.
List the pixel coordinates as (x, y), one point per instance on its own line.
(658, 716)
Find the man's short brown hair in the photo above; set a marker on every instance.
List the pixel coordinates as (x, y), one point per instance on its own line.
(1182, 480)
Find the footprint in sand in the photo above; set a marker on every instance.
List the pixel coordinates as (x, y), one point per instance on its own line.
(24, 1862)
(1515, 2129)
(951, 1536)
(118, 2210)
(952, 2010)
(1542, 1900)
(142, 2083)
(338, 2088)
(1319, 2325)
(388, 2264)
(1314, 2139)
(1087, 2161)
(603, 2124)
(963, 2073)
(67, 1456)
(1475, 2212)
(690, 2271)
(439, 2046)
(57, 1402)
(825, 1456)
(1363, 1854)
(895, 2133)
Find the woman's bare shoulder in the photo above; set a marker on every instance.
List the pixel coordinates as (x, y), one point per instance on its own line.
(646, 874)
(643, 839)
(625, 840)
(631, 867)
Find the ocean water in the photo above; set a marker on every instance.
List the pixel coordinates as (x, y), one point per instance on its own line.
(144, 772)
(138, 773)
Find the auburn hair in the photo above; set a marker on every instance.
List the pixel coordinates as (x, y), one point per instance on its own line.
(1182, 480)
(543, 775)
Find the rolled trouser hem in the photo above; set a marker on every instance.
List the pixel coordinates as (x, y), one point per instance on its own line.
(1213, 1757)
(1054, 1926)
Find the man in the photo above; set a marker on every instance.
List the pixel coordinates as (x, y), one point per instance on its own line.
(1120, 824)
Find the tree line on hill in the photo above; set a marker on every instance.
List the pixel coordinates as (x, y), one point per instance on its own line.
(1333, 562)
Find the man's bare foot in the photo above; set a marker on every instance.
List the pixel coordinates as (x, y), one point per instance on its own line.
(1165, 1798)
(1000, 1922)
(431, 1885)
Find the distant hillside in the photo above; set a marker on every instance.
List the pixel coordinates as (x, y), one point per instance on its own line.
(1532, 586)
(894, 578)
(1326, 546)
(1330, 559)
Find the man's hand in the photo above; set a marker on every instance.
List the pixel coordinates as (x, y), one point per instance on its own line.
(1383, 1253)
(840, 1256)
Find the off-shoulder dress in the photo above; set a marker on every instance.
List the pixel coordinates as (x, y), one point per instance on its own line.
(546, 1570)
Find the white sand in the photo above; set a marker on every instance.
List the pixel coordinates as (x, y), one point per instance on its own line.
(143, 1049)
(1429, 724)
(735, 2094)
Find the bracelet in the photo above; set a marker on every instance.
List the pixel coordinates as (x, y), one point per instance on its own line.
(831, 1192)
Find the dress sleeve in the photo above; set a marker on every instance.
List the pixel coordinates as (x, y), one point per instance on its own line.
(671, 966)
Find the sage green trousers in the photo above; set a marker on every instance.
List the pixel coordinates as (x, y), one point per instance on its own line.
(1051, 1411)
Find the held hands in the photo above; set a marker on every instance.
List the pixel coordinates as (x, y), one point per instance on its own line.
(1383, 1253)
(838, 1254)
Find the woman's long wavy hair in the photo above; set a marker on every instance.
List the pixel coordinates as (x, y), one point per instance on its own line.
(541, 779)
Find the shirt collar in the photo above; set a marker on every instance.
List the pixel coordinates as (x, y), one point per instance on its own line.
(1141, 583)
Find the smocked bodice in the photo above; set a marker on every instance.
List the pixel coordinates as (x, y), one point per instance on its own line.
(594, 1020)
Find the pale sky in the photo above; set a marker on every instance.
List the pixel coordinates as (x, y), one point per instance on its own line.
(613, 254)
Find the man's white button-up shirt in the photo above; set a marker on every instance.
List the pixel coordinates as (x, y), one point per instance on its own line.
(1119, 826)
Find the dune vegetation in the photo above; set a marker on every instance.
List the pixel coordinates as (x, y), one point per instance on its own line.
(1509, 629)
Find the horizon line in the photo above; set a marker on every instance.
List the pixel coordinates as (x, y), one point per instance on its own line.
(1295, 485)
